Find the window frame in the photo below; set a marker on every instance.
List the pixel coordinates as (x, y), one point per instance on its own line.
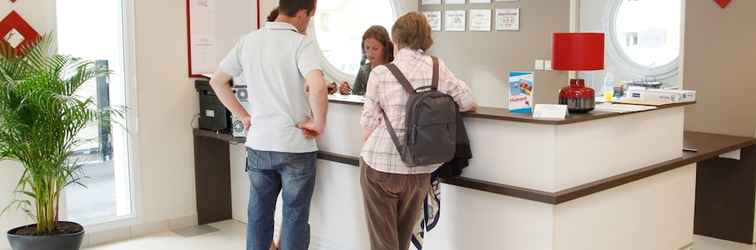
(616, 53)
(128, 44)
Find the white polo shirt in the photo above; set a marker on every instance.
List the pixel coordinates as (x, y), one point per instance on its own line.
(274, 61)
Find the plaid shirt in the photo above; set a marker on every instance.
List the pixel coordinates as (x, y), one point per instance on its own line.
(386, 94)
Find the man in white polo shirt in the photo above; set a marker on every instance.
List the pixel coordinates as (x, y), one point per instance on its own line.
(287, 111)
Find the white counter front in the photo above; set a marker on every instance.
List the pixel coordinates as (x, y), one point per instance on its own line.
(579, 158)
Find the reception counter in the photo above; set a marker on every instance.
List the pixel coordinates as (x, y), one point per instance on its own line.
(591, 181)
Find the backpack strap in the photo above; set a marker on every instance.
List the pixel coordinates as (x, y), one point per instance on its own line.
(434, 82)
(410, 90)
(392, 132)
(401, 78)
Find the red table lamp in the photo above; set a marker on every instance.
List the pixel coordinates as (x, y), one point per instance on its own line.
(578, 52)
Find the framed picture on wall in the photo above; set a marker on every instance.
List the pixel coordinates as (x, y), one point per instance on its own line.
(455, 2)
(508, 19)
(434, 19)
(214, 27)
(480, 20)
(456, 20)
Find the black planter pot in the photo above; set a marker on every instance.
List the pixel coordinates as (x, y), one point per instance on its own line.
(70, 241)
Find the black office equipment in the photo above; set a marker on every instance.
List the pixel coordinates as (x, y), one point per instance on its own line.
(213, 115)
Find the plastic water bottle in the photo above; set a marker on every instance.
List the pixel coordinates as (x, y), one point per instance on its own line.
(608, 88)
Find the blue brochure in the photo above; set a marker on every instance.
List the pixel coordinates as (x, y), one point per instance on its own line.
(521, 87)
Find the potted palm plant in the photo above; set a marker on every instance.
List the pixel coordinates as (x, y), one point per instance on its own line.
(40, 118)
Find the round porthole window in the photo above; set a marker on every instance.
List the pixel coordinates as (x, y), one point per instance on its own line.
(648, 32)
(338, 27)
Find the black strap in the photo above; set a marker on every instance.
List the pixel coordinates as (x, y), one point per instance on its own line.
(408, 87)
(392, 133)
(434, 82)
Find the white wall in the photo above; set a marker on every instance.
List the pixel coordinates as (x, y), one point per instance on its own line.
(40, 14)
(720, 69)
(165, 102)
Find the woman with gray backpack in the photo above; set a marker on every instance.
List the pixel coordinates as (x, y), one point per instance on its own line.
(409, 129)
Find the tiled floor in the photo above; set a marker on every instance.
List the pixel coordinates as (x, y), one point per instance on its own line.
(231, 237)
(705, 243)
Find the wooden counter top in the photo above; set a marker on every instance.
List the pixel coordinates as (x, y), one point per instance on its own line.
(506, 115)
(725, 187)
(218, 135)
(707, 145)
(503, 114)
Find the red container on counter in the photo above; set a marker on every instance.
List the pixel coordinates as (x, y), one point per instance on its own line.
(578, 97)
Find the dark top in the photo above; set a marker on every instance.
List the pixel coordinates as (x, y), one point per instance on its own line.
(360, 82)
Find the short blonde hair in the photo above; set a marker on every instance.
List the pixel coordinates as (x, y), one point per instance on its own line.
(412, 31)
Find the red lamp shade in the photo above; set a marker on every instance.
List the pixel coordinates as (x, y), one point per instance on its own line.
(578, 51)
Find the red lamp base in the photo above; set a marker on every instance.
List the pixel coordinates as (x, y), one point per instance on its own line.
(578, 97)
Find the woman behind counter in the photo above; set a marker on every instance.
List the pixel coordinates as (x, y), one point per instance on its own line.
(377, 50)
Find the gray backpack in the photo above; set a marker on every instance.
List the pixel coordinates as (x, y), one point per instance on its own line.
(431, 123)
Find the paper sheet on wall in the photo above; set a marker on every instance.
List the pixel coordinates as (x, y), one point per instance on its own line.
(455, 20)
(480, 20)
(204, 44)
(203, 13)
(455, 2)
(215, 27)
(508, 19)
(434, 19)
(203, 58)
(427, 2)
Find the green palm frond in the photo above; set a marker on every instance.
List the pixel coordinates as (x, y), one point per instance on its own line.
(40, 119)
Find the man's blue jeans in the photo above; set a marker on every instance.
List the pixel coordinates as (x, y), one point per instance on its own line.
(269, 173)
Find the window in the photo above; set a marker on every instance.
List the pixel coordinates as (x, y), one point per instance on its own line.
(94, 30)
(648, 31)
(338, 28)
(643, 41)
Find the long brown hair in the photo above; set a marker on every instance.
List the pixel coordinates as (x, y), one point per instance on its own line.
(380, 34)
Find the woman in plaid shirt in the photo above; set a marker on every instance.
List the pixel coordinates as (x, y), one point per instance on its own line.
(393, 192)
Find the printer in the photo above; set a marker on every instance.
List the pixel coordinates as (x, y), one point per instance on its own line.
(213, 115)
